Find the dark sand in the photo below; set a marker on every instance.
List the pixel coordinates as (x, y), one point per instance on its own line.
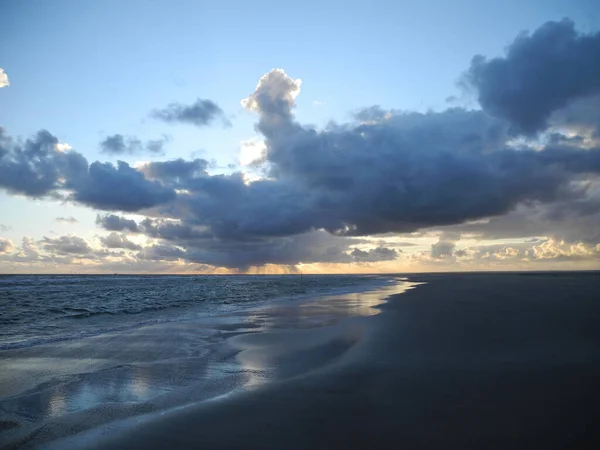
(479, 361)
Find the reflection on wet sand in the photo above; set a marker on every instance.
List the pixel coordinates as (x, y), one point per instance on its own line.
(57, 403)
(299, 337)
(245, 348)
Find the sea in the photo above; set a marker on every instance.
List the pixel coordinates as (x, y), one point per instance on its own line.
(37, 309)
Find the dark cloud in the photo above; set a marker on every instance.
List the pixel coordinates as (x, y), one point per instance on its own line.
(571, 220)
(66, 245)
(311, 247)
(401, 173)
(390, 172)
(118, 144)
(374, 255)
(445, 245)
(176, 170)
(36, 167)
(201, 113)
(162, 252)
(119, 188)
(66, 219)
(115, 240)
(541, 73)
(580, 116)
(172, 231)
(111, 222)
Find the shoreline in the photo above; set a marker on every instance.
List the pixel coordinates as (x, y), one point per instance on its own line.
(257, 345)
(370, 283)
(478, 361)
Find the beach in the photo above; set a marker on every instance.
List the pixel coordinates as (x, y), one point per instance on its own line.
(458, 361)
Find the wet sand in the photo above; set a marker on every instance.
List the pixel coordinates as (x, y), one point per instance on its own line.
(64, 388)
(465, 361)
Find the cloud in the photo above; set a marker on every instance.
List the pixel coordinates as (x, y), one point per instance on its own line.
(29, 249)
(541, 251)
(274, 98)
(69, 219)
(445, 245)
(201, 113)
(582, 118)
(173, 231)
(63, 147)
(162, 253)
(66, 245)
(6, 246)
(112, 222)
(311, 247)
(374, 255)
(402, 172)
(5, 227)
(36, 167)
(176, 170)
(119, 188)
(115, 240)
(117, 144)
(541, 73)
(3, 78)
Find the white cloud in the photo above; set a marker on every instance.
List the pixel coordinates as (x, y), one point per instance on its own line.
(63, 147)
(6, 246)
(3, 78)
(274, 84)
(318, 103)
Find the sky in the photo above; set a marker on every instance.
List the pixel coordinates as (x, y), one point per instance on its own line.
(322, 137)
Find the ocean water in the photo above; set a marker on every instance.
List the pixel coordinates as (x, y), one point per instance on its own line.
(40, 309)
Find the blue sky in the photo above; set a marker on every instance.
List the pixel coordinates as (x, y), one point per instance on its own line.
(87, 70)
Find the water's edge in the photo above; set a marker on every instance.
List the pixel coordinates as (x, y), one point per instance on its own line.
(304, 329)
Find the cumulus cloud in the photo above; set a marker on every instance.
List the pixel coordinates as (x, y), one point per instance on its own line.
(119, 188)
(273, 99)
(374, 255)
(200, 113)
(3, 78)
(36, 167)
(112, 222)
(541, 73)
(66, 245)
(115, 240)
(176, 170)
(402, 172)
(445, 245)
(117, 144)
(161, 252)
(6, 246)
(69, 219)
(541, 251)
